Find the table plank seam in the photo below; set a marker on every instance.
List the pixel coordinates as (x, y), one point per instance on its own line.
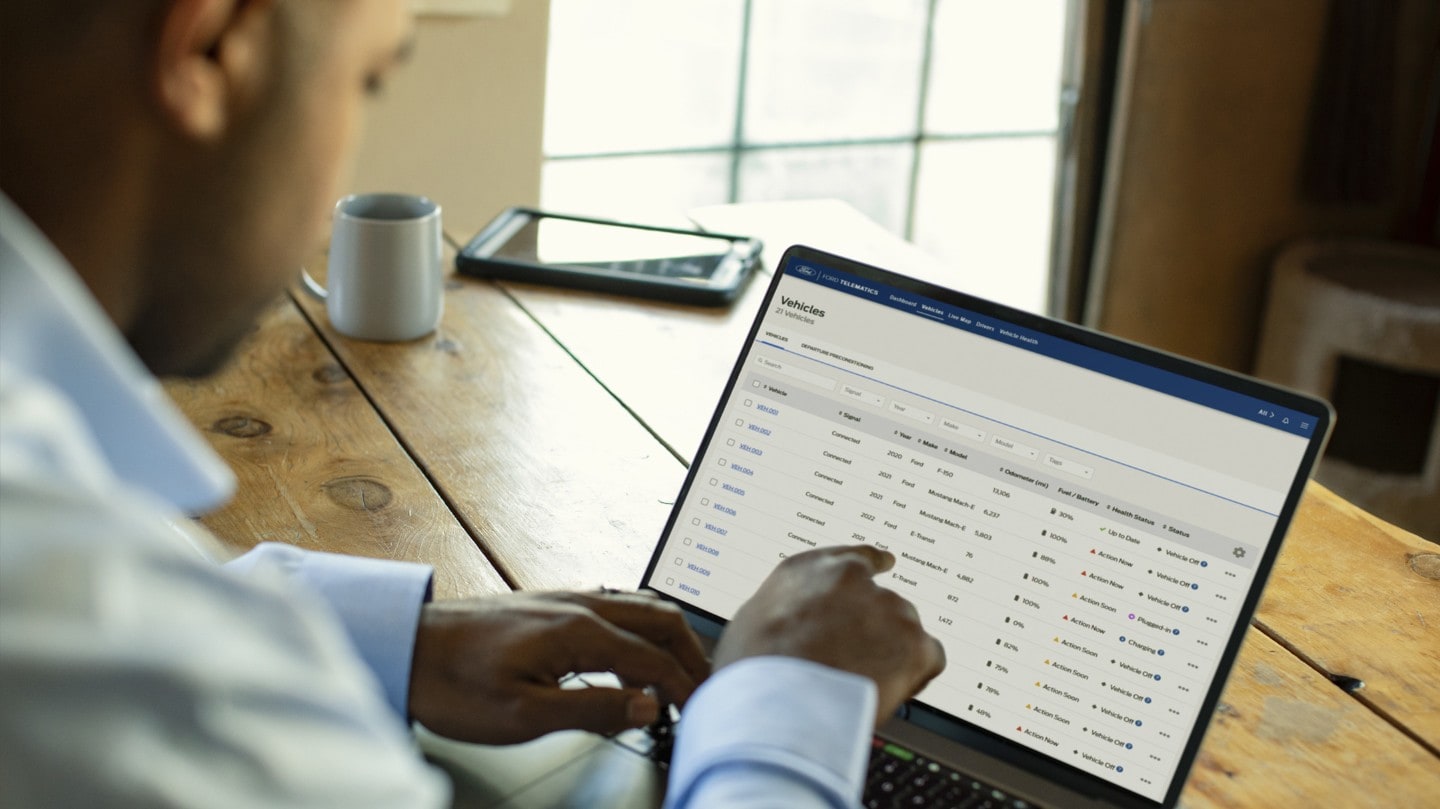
(1353, 686)
(504, 290)
(685, 462)
(410, 450)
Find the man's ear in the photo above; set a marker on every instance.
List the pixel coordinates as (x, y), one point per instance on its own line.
(211, 57)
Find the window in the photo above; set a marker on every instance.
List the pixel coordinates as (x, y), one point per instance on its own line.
(936, 118)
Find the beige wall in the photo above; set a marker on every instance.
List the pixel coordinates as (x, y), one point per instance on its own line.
(462, 123)
(1204, 187)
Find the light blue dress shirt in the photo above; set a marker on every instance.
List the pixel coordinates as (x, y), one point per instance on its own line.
(135, 672)
(54, 333)
(774, 732)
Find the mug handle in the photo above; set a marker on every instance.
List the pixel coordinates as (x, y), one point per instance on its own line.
(312, 286)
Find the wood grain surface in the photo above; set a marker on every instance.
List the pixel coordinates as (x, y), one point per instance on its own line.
(667, 363)
(317, 467)
(1282, 735)
(559, 485)
(1359, 599)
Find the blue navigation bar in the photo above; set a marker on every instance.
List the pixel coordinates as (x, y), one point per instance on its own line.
(1128, 370)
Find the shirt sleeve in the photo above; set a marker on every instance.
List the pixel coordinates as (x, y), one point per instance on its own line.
(133, 673)
(774, 731)
(378, 603)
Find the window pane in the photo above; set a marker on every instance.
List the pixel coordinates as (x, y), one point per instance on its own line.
(874, 179)
(983, 206)
(995, 67)
(824, 70)
(650, 189)
(641, 74)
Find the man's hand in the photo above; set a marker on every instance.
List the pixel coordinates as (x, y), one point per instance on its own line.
(486, 670)
(824, 605)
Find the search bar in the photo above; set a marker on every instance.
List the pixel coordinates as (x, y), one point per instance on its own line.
(785, 369)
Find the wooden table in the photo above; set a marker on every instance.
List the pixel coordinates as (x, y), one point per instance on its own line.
(538, 438)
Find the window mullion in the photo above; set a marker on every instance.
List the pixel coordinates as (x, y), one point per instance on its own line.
(737, 139)
(922, 99)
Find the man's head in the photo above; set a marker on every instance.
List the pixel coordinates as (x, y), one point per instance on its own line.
(183, 154)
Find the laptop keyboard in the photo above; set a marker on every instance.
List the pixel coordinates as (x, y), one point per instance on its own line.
(901, 778)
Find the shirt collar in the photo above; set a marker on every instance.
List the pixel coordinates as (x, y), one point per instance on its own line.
(52, 328)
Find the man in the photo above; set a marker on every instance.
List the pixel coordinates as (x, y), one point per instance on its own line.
(166, 164)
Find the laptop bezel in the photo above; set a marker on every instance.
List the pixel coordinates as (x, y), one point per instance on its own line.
(954, 728)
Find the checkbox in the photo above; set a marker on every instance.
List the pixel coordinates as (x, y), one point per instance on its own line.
(677, 560)
(730, 443)
(714, 482)
(669, 580)
(722, 462)
(704, 501)
(748, 403)
(695, 521)
(755, 384)
(687, 540)
(739, 422)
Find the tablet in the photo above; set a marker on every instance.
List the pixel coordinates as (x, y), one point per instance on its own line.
(685, 266)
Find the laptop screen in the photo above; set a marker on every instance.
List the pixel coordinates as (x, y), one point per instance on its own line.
(1083, 523)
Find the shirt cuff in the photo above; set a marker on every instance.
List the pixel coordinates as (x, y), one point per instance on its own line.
(378, 601)
(808, 722)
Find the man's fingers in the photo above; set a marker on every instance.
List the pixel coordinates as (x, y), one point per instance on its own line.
(655, 621)
(937, 659)
(878, 560)
(599, 710)
(602, 646)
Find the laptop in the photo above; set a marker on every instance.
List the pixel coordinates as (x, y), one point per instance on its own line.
(1086, 524)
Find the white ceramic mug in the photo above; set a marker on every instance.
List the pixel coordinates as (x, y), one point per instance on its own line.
(385, 279)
